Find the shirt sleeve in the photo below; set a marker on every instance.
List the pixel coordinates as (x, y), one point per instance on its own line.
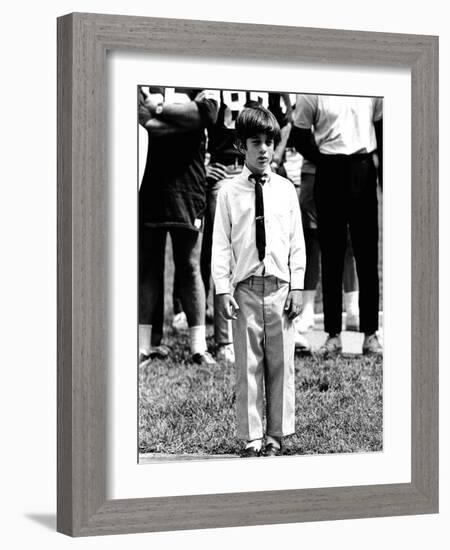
(221, 245)
(305, 111)
(297, 253)
(208, 107)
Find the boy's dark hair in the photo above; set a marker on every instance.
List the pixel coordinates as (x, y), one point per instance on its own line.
(253, 120)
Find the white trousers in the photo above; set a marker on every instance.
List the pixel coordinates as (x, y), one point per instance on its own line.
(264, 357)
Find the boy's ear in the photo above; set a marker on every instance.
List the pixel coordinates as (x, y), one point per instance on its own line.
(240, 146)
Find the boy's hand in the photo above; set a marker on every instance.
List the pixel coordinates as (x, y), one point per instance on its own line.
(293, 304)
(227, 306)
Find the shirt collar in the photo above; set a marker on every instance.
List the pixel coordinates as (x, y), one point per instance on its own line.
(246, 173)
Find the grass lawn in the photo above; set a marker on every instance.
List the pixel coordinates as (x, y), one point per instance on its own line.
(184, 408)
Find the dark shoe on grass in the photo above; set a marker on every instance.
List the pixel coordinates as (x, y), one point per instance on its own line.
(250, 452)
(157, 352)
(272, 450)
(324, 380)
(332, 346)
(205, 359)
(371, 345)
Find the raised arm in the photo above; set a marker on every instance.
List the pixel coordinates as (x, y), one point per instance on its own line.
(185, 117)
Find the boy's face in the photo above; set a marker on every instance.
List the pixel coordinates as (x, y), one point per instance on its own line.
(258, 153)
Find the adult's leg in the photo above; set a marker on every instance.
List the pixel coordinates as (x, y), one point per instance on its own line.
(186, 253)
(176, 299)
(158, 321)
(205, 257)
(222, 326)
(312, 248)
(350, 277)
(179, 321)
(309, 221)
(152, 243)
(329, 194)
(363, 218)
(351, 293)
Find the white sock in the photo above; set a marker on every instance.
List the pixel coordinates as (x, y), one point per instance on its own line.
(351, 302)
(275, 441)
(145, 339)
(197, 337)
(254, 444)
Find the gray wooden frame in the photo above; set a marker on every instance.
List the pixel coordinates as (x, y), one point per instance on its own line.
(83, 41)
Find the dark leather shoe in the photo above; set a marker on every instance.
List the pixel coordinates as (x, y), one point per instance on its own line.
(273, 450)
(250, 452)
(205, 359)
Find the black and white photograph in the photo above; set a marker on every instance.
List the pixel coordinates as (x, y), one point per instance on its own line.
(260, 293)
(225, 248)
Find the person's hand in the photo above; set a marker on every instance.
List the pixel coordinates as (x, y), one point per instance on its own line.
(149, 101)
(144, 114)
(293, 303)
(227, 306)
(216, 171)
(208, 94)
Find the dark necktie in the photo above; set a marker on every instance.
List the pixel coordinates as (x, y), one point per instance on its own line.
(259, 180)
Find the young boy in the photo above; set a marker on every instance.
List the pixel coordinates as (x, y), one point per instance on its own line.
(258, 262)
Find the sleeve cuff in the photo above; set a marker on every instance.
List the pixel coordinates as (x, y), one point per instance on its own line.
(223, 287)
(297, 280)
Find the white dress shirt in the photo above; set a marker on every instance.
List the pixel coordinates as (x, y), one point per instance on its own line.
(234, 252)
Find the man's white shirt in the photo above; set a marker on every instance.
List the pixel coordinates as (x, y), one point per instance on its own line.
(342, 124)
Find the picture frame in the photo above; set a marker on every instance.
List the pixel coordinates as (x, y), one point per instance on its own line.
(83, 42)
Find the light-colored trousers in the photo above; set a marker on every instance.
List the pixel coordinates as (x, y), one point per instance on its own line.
(263, 339)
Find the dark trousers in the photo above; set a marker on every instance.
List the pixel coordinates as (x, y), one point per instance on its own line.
(186, 246)
(345, 192)
(222, 326)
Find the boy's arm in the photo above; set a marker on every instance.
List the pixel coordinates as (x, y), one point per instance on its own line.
(221, 258)
(297, 259)
(297, 254)
(221, 245)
